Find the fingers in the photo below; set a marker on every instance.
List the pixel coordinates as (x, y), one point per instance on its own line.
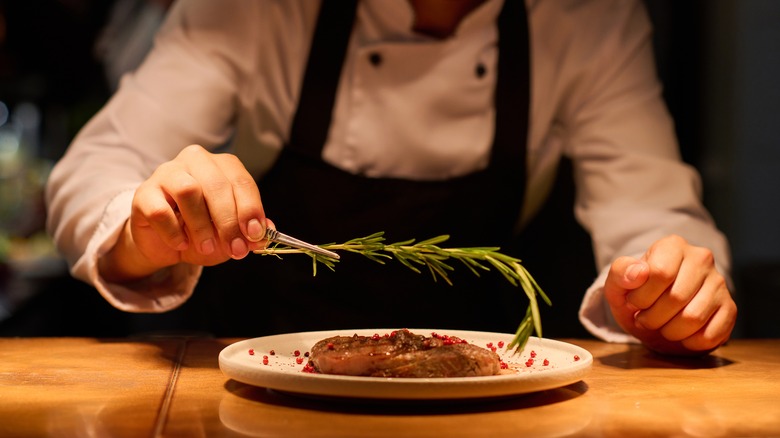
(707, 320)
(689, 290)
(207, 205)
(664, 259)
(717, 330)
(203, 202)
(691, 316)
(246, 196)
(676, 290)
(154, 210)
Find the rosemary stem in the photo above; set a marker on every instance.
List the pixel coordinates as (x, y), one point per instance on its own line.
(428, 253)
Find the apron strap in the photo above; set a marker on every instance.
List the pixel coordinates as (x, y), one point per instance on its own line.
(312, 119)
(512, 100)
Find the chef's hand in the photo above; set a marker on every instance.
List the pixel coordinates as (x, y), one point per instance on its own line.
(673, 299)
(199, 208)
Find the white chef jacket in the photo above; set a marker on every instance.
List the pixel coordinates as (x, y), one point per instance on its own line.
(229, 73)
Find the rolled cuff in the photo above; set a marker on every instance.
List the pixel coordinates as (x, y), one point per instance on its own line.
(596, 316)
(163, 291)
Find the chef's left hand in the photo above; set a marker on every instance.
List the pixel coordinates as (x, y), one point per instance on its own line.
(673, 299)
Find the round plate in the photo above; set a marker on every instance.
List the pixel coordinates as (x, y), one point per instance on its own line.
(553, 364)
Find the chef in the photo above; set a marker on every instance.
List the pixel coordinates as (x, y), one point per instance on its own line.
(417, 118)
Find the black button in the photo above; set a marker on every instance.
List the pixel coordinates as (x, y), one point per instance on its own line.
(480, 70)
(375, 59)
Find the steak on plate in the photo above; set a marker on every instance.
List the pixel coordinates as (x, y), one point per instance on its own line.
(402, 354)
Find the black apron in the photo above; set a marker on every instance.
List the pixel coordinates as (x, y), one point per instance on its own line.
(317, 202)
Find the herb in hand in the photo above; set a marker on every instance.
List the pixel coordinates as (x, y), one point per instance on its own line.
(428, 254)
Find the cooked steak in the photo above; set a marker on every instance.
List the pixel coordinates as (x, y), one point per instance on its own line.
(402, 354)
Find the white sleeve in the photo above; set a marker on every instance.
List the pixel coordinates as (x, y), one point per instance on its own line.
(632, 186)
(184, 93)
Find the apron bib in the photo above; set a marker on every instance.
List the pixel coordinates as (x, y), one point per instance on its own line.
(317, 202)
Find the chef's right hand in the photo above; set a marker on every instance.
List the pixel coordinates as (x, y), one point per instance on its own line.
(200, 208)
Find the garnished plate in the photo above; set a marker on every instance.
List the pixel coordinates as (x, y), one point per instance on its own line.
(277, 362)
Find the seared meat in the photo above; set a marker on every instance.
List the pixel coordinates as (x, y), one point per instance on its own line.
(402, 354)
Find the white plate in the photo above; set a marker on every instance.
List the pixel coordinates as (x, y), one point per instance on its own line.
(566, 364)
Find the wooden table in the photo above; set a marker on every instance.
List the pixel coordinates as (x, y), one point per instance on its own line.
(171, 386)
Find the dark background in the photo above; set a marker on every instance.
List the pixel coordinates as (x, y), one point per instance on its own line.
(718, 59)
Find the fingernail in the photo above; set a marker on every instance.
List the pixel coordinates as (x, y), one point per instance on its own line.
(238, 248)
(633, 271)
(254, 230)
(208, 246)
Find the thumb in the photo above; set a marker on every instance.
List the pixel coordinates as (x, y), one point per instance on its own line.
(625, 274)
(629, 273)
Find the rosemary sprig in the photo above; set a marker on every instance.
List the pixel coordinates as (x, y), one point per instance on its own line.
(429, 254)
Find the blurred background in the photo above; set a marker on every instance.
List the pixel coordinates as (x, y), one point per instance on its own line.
(61, 59)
